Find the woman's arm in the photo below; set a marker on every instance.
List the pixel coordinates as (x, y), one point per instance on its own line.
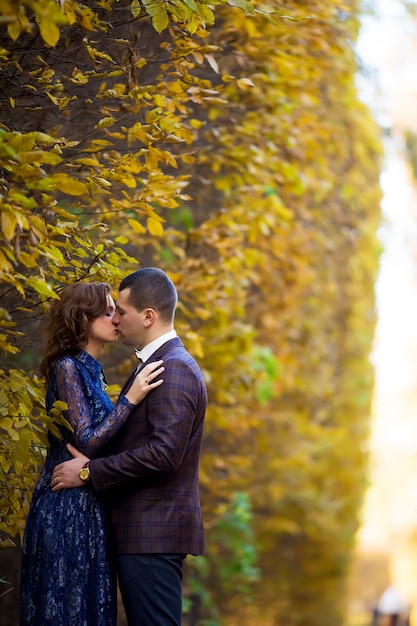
(176, 416)
(89, 437)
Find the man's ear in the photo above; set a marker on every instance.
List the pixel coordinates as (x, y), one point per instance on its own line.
(150, 317)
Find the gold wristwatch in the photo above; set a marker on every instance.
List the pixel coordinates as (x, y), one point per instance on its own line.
(85, 472)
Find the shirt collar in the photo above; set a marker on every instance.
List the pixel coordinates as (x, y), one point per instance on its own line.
(150, 348)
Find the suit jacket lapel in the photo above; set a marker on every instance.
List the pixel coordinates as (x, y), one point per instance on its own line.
(129, 382)
(158, 354)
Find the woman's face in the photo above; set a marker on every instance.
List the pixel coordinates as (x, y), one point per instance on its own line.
(102, 330)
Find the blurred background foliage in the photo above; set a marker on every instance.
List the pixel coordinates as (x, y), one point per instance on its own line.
(226, 143)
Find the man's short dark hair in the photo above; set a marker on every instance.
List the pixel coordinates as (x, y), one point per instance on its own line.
(151, 287)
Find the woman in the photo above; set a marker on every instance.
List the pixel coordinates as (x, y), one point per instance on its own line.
(67, 576)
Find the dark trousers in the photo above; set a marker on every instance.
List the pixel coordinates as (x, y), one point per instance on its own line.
(151, 588)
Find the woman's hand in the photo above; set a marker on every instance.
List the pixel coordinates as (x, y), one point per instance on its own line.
(144, 382)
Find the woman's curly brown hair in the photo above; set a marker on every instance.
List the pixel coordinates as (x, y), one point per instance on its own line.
(69, 321)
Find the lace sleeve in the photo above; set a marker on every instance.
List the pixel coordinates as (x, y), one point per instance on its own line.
(89, 438)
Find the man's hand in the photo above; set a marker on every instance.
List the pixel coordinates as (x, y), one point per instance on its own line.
(66, 474)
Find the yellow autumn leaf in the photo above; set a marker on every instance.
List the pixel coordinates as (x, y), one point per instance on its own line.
(60, 405)
(227, 78)
(52, 98)
(169, 158)
(6, 422)
(129, 180)
(49, 31)
(86, 21)
(8, 224)
(245, 83)
(105, 122)
(40, 156)
(64, 101)
(184, 134)
(168, 124)
(5, 265)
(70, 13)
(28, 260)
(88, 161)
(39, 224)
(69, 185)
(133, 166)
(154, 226)
(192, 25)
(102, 181)
(13, 436)
(53, 253)
(188, 158)
(169, 203)
(136, 226)
(14, 29)
(115, 73)
(5, 345)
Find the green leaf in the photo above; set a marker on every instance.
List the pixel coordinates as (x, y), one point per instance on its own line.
(136, 8)
(42, 287)
(160, 18)
(245, 5)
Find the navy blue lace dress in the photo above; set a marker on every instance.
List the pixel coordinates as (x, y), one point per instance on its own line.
(67, 576)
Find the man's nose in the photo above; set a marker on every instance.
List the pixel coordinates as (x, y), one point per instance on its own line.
(116, 319)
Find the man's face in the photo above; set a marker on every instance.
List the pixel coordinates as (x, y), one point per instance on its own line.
(129, 321)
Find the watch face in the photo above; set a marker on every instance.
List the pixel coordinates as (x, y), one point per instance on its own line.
(84, 473)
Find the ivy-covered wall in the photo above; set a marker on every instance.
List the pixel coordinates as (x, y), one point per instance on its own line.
(227, 144)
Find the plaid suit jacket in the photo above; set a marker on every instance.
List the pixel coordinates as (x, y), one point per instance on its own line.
(151, 475)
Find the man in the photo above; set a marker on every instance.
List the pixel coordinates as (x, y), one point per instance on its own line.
(151, 473)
